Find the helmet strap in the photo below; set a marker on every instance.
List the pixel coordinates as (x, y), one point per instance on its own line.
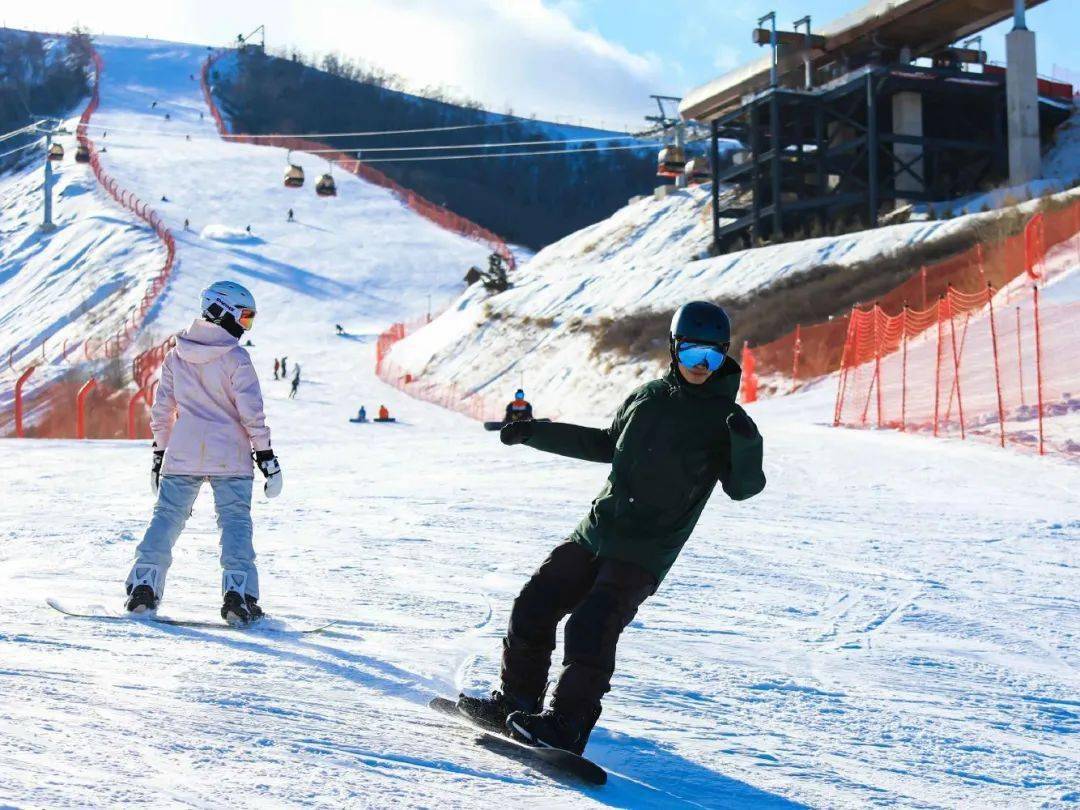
(225, 320)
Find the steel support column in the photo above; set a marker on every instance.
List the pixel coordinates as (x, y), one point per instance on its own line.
(872, 187)
(774, 136)
(714, 162)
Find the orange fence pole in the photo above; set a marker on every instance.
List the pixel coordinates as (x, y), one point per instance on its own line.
(997, 370)
(1038, 366)
(80, 405)
(1019, 357)
(132, 402)
(749, 380)
(879, 316)
(956, 369)
(903, 368)
(19, 402)
(937, 371)
(845, 362)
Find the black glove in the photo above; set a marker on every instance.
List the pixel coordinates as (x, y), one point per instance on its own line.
(271, 468)
(516, 432)
(742, 425)
(155, 468)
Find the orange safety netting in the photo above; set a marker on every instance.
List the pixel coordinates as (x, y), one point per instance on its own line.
(474, 405)
(974, 364)
(813, 350)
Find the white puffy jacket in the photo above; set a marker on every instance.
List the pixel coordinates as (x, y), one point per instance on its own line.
(208, 409)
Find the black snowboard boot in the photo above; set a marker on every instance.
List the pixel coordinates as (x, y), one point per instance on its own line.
(491, 712)
(549, 729)
(236, 609)
(253, 607)
(141, 599)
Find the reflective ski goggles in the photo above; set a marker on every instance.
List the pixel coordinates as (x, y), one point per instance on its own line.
(246, 319)
(701, 354)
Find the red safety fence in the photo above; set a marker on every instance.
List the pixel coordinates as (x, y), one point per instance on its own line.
(61, 407)
(441, 216)
(981, 364)
(449, 396)
(811, 351)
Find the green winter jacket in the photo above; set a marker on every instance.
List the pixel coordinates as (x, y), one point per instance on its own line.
(668, 446)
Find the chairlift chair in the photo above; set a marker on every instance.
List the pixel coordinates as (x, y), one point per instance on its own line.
(325, 186)
(82, 154)
(670, 162)
(698, 170)
(294, 175)
(56, 152)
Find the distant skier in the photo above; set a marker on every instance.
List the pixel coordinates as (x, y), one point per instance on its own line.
(669, 445)
(248, 230)
(206, 420)
(290, 215)
(284, 372)
(519, 408)
(168, 117)
(295, 381)
(361, 416)
(187, 225)
(340, 329)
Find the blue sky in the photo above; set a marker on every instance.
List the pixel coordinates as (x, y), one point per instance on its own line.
(589, 60)
(699, 39)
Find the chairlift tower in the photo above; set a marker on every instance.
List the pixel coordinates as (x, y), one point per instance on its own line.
(671, 123)
(49, 128)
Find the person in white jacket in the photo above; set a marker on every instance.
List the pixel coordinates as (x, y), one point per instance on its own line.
(207, 419)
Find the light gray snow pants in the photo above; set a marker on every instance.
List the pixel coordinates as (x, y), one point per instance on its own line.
(176, 495)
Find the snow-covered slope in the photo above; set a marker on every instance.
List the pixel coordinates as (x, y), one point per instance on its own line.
(644, 259)
(892, 620)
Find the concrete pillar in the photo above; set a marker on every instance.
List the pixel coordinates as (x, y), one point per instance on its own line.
(907, 117)
(1022, 107)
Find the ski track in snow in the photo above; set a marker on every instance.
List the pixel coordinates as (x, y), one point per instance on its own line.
(893, 621)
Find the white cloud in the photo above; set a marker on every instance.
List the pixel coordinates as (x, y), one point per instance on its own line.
(527, 54)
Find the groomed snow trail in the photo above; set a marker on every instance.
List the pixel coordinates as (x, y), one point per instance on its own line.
(894, 620)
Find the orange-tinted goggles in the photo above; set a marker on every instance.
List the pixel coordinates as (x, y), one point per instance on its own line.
(246, 319)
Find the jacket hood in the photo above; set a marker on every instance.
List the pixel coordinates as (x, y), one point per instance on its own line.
(723, 383)
(203, 342)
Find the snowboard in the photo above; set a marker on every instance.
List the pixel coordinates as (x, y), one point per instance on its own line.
(564, 762)
(264, 624)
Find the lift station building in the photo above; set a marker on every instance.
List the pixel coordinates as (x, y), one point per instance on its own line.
(844, 125)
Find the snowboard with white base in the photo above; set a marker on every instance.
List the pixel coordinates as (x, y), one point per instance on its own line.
(563, 761)
(265, 624)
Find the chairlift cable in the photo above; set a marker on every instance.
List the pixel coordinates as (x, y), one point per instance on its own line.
(21, 148)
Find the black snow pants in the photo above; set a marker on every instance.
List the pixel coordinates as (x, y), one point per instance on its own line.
(601, 596)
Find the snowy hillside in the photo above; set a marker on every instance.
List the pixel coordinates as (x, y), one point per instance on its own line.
(359, 259)
(893, 620)
(643, 259)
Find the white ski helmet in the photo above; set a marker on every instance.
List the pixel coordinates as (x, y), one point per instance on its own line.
(229, 305)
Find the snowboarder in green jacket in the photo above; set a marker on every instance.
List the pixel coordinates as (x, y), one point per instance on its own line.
(672, 441)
